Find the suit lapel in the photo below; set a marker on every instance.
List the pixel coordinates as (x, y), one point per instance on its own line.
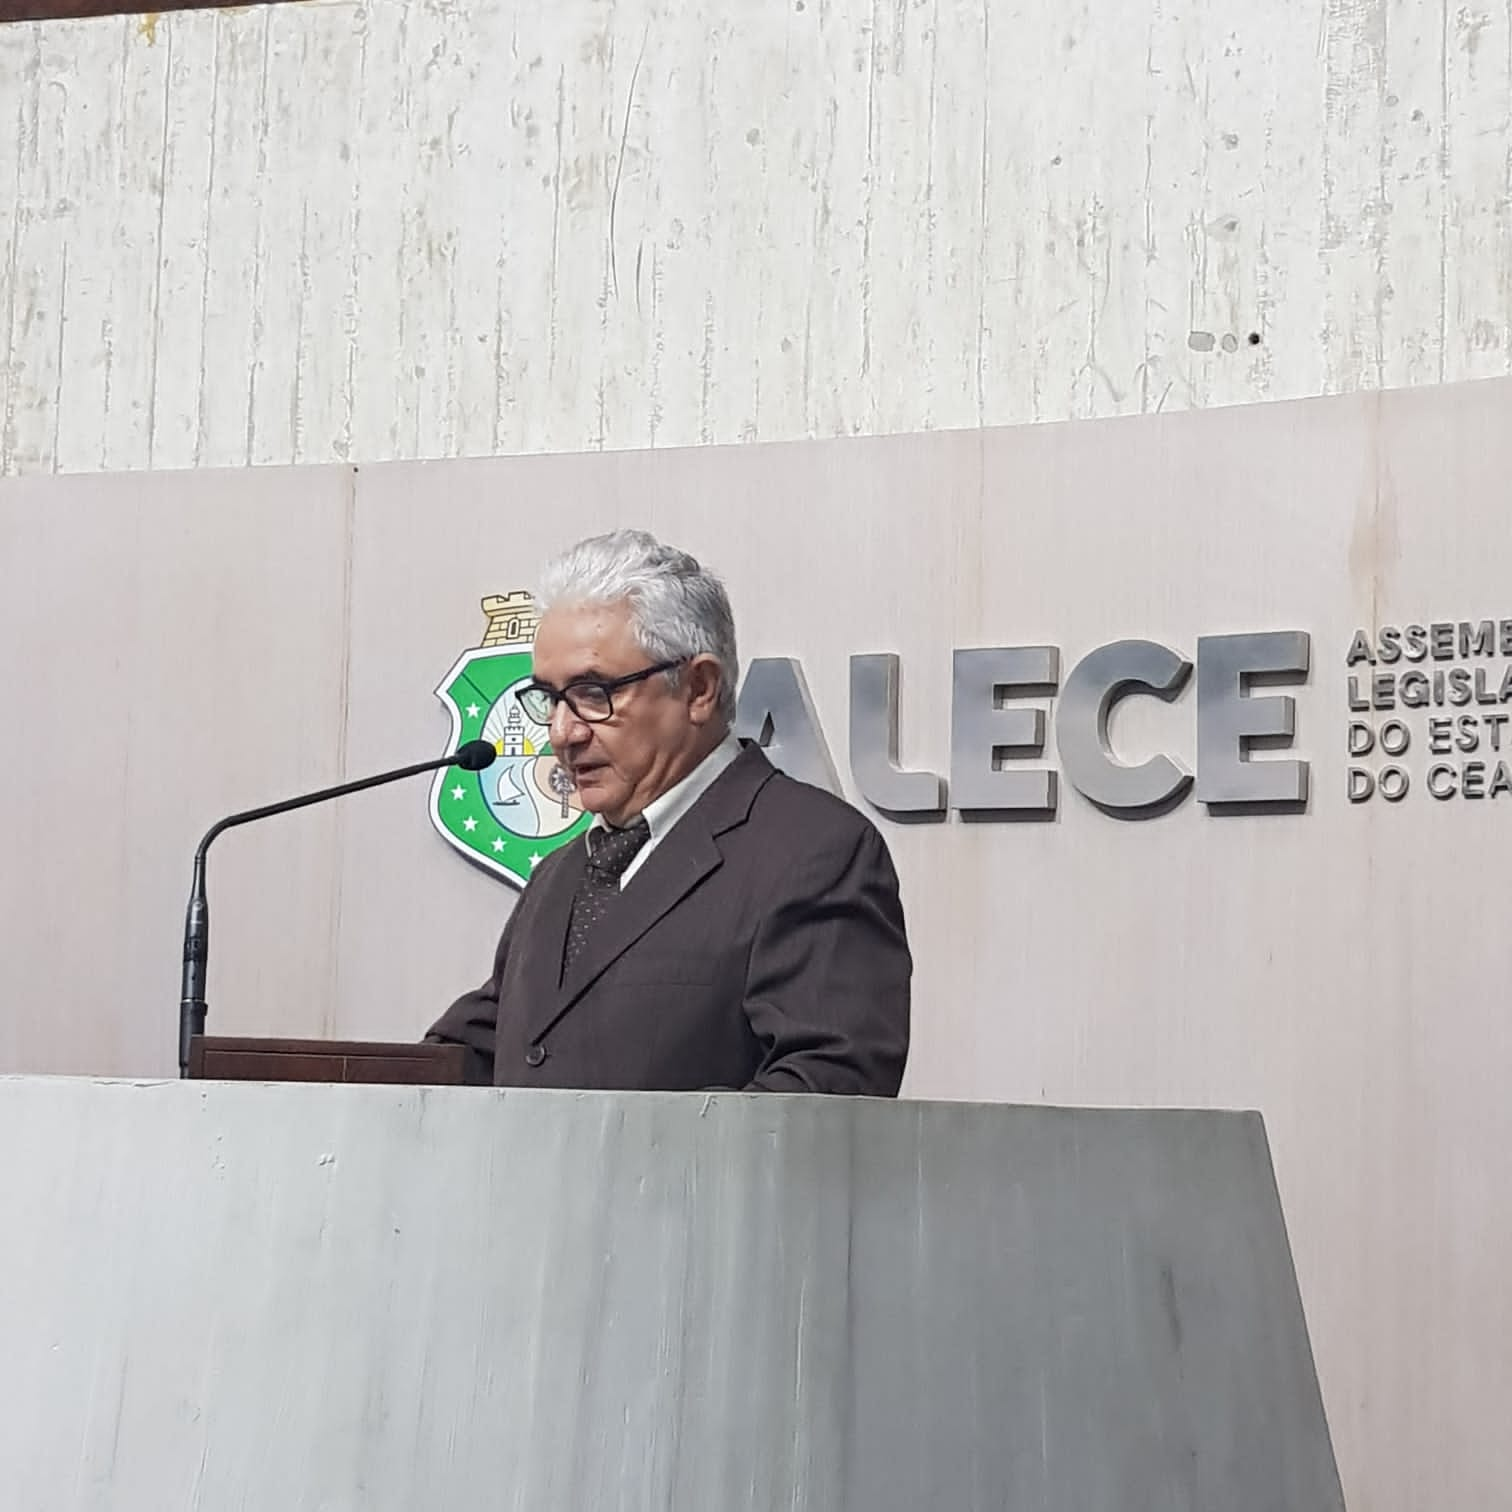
(678, 864)
(668, 875)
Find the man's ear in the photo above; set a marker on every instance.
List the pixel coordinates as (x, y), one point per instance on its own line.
(702, 677)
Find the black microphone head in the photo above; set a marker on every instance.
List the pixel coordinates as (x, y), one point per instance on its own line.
(475, 755)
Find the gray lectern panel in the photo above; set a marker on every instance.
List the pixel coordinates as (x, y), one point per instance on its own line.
(299, 1297)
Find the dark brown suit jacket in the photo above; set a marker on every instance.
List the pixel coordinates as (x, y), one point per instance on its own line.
(760, 946)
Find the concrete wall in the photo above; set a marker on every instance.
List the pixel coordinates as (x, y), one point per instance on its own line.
(331, 231)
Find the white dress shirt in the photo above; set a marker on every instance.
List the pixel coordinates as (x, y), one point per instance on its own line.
(662, 813)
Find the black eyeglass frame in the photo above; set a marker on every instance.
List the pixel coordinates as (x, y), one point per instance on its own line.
(608, 686)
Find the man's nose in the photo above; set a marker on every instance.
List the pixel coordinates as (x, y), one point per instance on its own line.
(565, 729)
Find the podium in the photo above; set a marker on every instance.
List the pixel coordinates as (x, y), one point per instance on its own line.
(302, 1297)
(219, 1057)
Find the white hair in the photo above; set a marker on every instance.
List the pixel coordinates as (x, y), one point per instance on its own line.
(678, 608)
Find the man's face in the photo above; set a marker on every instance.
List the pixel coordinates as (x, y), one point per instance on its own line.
(656, 733)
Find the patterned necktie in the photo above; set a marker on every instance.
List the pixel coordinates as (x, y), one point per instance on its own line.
(610, 852)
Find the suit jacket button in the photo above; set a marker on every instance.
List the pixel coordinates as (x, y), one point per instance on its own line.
(535, 1056)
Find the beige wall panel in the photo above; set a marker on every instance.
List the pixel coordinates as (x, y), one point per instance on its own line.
(342, 231)
(431, 541)
(171, 649)
(1342, 970)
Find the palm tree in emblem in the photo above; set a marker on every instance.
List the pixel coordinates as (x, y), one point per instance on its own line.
(562, 785)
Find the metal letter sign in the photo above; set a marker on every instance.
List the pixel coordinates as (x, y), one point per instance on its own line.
(516, 814)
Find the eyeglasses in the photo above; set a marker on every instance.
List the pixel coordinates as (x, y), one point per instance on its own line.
(590, 699)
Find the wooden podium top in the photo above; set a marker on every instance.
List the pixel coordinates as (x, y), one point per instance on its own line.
(228, 1058)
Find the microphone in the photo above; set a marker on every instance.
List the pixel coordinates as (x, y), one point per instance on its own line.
(473, 756)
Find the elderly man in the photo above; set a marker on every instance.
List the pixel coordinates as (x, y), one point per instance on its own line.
(721, 925)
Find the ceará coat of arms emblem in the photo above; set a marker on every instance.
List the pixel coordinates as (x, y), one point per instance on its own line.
(509, 818)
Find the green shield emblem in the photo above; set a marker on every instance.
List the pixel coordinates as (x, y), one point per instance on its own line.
(509, 818)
